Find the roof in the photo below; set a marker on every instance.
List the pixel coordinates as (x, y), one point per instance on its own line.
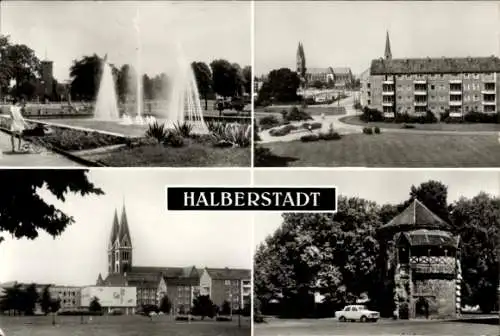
(415, 216)
(150, 276)
(114, 229)
(426, 237)
(435, 65)
(228, 273)
(319, 70)
(124, 230)
(342, 71)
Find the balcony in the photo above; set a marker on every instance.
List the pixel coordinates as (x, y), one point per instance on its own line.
(489, 102)
(420, 81)
(387, 93)
(387, 103)
(455, 81)
(420, 103)
(489, 91)
(388, 81)
(455, 103)
(489, 79)
(420, 93)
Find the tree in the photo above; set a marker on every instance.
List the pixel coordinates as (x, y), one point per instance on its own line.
(317, 84)
(14, 218)
(477, 221)
(203, 306)
(55, 305)
(12, 299)
(165, 305)
(434, 195)
(46, 300)
(122, 83)
(95, 305)
(247, 78)
(203, 76)
(225, 308)
(227, 78)
(147, 86)
(30, 298)
(85, 74)
(281, 86)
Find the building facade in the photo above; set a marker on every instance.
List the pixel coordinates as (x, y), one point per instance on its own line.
(224, 284)
(69, 296)
(342, 77)
(421, 265)
(443, 86)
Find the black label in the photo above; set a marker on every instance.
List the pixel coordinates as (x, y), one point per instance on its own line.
(252, 199)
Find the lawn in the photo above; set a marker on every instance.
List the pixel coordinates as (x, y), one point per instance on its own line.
(389, 150)
(463, 127)
(192, 154)
(119, 325)
(384, 327)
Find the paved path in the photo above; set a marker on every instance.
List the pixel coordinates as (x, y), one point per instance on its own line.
(339, 126)
(43, 159)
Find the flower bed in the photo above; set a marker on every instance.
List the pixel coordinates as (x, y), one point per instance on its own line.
(76, 140)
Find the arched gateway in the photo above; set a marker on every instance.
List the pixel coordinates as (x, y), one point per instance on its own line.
(420, 265)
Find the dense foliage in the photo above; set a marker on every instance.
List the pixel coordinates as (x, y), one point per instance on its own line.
(44, 216)
(336, 254)
(22, 300)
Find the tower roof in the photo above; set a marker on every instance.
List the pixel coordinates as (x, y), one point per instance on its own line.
(124, 230)
(114, 229)
(387, 53)
(415, 217)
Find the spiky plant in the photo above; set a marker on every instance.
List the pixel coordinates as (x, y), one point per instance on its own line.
(157, 131)
(184, 129)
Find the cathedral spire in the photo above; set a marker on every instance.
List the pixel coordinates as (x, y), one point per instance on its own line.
(124, 230)
(387, 53)
(115, 228)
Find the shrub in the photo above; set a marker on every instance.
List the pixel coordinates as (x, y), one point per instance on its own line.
(376, 130)
(223, 318)
(408, 126)
(183, 129)
(367, 130)
(357, 106)
(371, 115)
(478, 117)
(296, 114)
(269, 121)
(312, 126)
(403, 311)
(174, 140)
(309, 138)
(232, 133)
(157, 131)
(428, 118)
(283, 130)
(330, 136)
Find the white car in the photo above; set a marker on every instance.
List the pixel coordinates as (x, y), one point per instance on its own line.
(357, 313)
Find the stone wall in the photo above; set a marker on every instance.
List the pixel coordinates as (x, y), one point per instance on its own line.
(440, 295)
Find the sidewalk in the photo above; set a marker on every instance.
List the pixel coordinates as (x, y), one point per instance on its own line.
(43, 159)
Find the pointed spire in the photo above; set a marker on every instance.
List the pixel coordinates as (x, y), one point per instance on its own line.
(124, 230)
(99, 281)
(387, 53)
(114, 229)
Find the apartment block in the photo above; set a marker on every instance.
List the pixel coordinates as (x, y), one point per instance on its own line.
(225, 284)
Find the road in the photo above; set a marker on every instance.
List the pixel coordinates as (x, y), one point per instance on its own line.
(385, 327)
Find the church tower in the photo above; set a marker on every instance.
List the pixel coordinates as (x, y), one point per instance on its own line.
(387, 53)
(120, 250)
(301, 61)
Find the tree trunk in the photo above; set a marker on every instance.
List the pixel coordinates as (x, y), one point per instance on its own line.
(206, 102)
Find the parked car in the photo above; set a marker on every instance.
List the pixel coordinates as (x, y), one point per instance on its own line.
(357, 313)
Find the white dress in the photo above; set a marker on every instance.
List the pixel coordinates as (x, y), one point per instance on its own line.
(18, 124)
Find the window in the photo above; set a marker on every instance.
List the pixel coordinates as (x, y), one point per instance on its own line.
(227, 282)
(354, 309)
(432, 87)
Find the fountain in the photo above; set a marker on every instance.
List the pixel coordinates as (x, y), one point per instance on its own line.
(183, 99)
(106, 106)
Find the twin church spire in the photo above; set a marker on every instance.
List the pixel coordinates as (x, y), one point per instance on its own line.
(120, 244)
(387, 53)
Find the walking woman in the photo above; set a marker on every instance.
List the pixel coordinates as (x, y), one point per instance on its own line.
(17, 125)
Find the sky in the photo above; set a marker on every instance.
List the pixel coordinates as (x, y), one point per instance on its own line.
(351, 34)
(381, 186)
(67, 30)
(159, 238)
